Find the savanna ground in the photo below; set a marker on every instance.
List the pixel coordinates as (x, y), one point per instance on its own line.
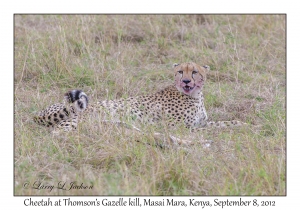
(113, 56)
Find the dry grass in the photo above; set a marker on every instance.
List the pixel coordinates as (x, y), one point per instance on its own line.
(113, 56)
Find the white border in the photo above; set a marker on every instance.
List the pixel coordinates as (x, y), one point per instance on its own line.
(154, 6)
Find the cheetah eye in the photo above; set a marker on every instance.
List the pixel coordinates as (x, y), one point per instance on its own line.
(180, 72)
(194, 72)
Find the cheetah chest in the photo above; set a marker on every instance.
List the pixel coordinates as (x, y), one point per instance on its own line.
(195, 114)
(181, 108)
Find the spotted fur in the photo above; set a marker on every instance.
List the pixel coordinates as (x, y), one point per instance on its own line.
(181, 103)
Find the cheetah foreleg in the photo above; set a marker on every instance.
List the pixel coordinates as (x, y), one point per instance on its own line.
(220, 124)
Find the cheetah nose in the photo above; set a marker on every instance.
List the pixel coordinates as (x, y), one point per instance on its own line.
(186, 81)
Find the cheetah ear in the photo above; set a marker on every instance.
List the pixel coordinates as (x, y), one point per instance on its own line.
(206, 67)
(176, 64)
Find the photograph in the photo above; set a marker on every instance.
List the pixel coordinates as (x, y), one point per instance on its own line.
(149, 105)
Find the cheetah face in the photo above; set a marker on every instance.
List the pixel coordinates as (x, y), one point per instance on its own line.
(189, 78)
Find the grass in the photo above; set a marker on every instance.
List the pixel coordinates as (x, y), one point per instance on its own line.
(113, 56)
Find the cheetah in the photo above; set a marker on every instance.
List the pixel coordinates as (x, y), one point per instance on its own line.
(180, 103)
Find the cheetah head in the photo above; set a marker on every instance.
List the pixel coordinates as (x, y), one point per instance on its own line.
(190, 78)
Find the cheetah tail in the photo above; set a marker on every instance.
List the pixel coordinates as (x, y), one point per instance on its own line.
(78, 98)
(224, 124)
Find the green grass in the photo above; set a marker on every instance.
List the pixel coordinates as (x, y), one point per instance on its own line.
(114, 56)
